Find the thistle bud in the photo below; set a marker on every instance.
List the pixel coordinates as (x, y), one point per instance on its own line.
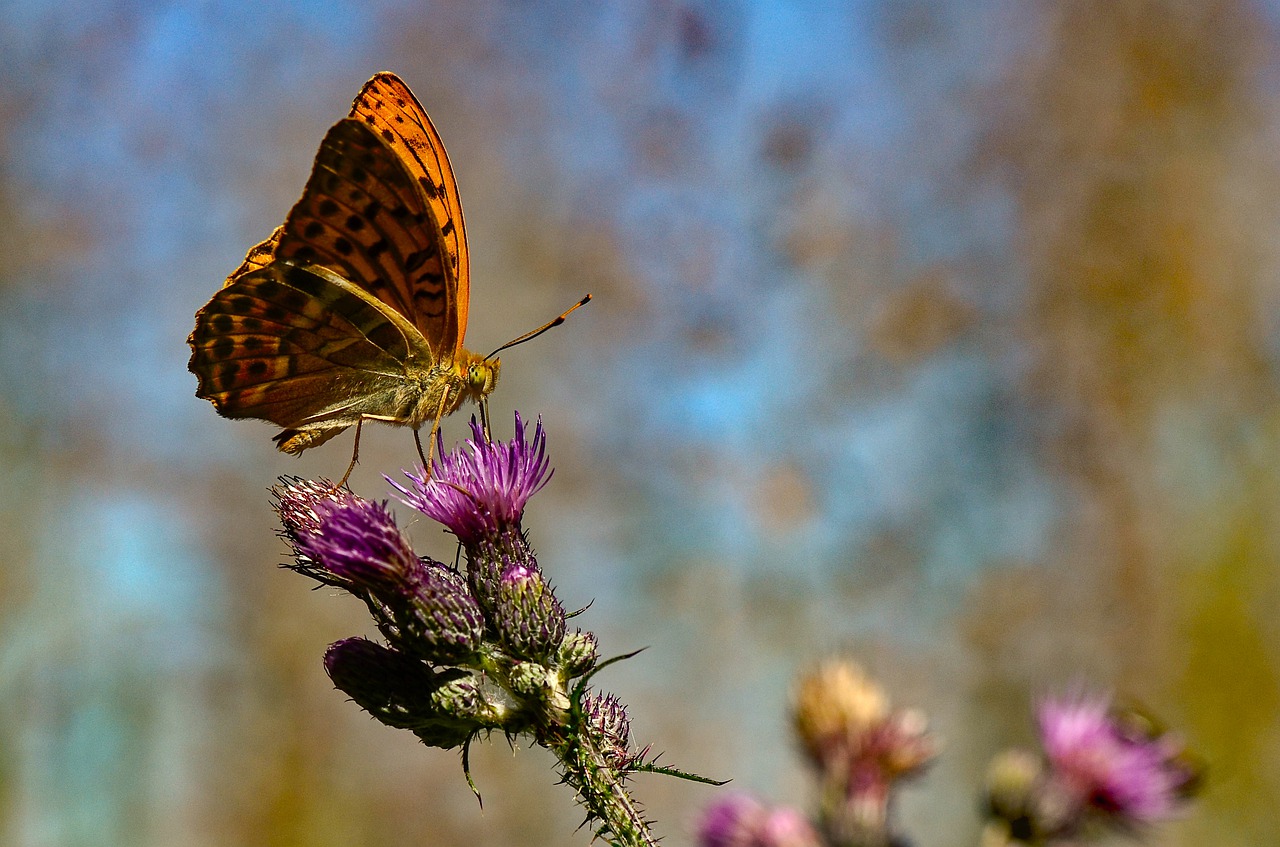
(528, 618)
(433, 615)
(530, 678)
(462, 698)
(612, 726)
(578, 653)
(394, 688)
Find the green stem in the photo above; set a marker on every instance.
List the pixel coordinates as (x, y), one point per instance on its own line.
(602, 789)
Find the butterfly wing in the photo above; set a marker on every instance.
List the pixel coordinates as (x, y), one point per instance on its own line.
(363, 216)
(303, 349)
(259, 256)
(388, 106)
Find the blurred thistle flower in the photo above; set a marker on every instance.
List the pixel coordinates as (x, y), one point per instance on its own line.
(1102, 761)
(481, 490)
(845, 723)
(739, 820)
(861, 748)
(1014, 783)
(834, 706)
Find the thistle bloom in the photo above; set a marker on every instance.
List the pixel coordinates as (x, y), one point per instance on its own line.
(296, 502)
(477, 650)
(834, 707)
(482, 489)
(358, 540)
(1100, 764)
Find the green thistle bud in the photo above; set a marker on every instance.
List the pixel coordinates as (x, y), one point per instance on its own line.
(527, 616)
(463, 698)
(578, 653)
(530, 679)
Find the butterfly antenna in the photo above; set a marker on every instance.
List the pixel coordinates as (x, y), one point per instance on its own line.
(532, 334)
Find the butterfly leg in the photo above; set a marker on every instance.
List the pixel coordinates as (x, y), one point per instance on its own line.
(431, 439)
(355, 455)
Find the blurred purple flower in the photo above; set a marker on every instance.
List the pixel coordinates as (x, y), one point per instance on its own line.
(481, 488)
(730, 821)
(739, 820)
(1099, 764)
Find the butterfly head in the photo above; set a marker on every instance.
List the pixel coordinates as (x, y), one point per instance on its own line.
(478, 376)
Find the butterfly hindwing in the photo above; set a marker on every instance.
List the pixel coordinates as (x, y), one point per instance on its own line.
(388, 106)
(363, 217)
(292, 346)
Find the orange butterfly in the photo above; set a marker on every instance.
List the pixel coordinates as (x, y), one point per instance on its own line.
(355, 309)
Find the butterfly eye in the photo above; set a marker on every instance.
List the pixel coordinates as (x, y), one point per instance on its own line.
(480, 377)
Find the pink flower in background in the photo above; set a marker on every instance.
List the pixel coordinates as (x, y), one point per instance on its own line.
(1100, 762)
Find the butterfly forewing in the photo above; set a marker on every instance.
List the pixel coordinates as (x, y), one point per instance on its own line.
(388, 106)
(363, 217)
(292, 346)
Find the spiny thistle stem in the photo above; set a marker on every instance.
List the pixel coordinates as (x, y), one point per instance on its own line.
(602, 789)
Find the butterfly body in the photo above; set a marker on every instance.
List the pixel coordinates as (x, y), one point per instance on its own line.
(355, 308)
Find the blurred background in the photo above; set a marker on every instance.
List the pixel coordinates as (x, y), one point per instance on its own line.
(944, 334)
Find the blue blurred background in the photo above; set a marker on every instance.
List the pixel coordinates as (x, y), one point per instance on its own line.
(944, 334)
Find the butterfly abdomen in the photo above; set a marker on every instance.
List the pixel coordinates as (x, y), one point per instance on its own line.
(294, 441)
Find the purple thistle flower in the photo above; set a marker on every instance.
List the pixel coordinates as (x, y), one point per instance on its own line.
(730, 821)
(358, 541)
(784, 826)
(296, 500)
(481, 488)
(1099, 764)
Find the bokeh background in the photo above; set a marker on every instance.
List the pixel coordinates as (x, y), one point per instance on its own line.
(944, 334)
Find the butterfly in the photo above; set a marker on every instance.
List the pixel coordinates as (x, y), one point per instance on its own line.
(355, 308)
